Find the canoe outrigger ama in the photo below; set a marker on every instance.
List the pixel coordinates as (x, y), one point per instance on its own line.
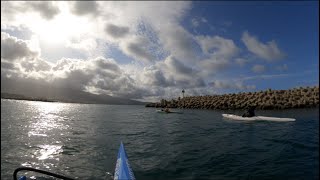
(123, 170)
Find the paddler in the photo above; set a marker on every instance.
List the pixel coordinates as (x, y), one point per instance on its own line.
(249, 112)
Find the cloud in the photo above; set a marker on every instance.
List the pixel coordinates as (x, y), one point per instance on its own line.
(179, 42)
(137, 47)
(46, 9)
(116, 20)
(21, 64)
(179, 74)
(258, 68)
(105, 76)
(194, 22)
(217, 46)
(116, 31)
(218, 84)
(84, 45)
(154, 77)
(204, 20)
(241, 61)
(84, 7)
(7, 65)
(13, 48)
(220, 52)
(148, 32)
(213, 66)
(268, 51)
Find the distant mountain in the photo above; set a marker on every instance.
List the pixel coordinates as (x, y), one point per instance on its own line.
(15, 89)
(76, 98)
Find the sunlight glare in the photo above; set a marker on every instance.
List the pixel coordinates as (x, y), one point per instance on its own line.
(61, 28)
(48, 118)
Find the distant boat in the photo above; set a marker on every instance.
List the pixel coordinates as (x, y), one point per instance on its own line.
(162, 111)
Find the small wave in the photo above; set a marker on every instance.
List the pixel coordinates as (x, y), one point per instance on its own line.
(69, 150)
(295, 144)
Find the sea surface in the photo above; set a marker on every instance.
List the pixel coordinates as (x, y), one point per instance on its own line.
(82, 141)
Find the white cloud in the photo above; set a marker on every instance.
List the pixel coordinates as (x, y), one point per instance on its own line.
(84, 45)
(241, 61)
(194, 22)
(220, 52)
(178, 42)
(258, 68)
(268, 51)
(217, 46)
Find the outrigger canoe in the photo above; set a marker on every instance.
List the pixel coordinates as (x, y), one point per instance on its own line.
(123, 170)
(177, 112)
(257, 118)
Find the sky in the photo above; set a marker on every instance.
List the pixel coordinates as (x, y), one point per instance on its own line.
(152, 50)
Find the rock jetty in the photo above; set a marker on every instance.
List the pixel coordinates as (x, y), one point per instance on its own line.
(303, 97)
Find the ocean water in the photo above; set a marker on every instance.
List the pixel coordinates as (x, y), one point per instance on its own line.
(82, 141)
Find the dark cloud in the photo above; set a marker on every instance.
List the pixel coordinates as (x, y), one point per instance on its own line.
(180, 74)
(195, 82)
(107, 64)
(46, 9)
(13, 48)
(177, 67)
(36, 65)
(116, 31)
(155, 77)
(7, 65)
(84, 7)
(139, 51)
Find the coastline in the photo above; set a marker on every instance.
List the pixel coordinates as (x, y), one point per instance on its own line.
(303, 97)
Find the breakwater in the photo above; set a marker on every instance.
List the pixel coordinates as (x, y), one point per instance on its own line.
(302, 97)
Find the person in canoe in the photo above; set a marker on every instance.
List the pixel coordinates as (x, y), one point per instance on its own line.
(249, 112)
(166, 110)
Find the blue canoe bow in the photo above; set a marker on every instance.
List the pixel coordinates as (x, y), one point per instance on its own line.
(123, 170)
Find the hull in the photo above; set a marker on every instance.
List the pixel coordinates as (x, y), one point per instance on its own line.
(123, 170)
(257, 118)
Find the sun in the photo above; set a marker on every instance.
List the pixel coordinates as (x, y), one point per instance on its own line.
(63, 27)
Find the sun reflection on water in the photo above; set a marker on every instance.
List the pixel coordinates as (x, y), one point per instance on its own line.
(47, 125)
(48, 151)
(47, 118)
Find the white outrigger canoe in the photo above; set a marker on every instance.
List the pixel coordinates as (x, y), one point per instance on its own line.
(257, 118)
